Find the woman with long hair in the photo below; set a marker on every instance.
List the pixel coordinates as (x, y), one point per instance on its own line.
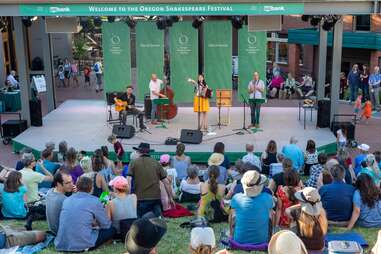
(71, 165)
(201, 102)
(180, 162)
(310, 156)
(14, 197)
(286, 197)
(269, 157)
(366, 203)
(99, 182)
(371, 168)
(211, 190)
(311, 220)
(219, 147)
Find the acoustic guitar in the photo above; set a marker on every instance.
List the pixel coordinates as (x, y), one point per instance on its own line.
(120, 105)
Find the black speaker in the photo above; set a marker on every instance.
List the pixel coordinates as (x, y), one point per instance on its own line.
(12, 128)
(35, 112)
(347, 127)
(324, 114)
(123, 131)
(191, 136)
(147, 106)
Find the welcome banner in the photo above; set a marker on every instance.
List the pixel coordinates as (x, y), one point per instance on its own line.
(116, 56)
(218, 54)
(184, 59)
(251, 58)
(149, 55)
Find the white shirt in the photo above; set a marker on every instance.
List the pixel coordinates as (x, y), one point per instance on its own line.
(258, 85)
(252, 159)
(12, 81)
(340, 136)
(154, 86)
(190, 188)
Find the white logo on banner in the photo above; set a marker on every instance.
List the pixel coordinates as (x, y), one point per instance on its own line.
(252, 39)
(183, 39)
(115, 39)
(115, 45)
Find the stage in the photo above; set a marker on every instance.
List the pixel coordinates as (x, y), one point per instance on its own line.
(83, 124)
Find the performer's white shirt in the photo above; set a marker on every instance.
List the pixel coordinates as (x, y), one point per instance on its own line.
(154, 86)
(259, 84)
(12, 80)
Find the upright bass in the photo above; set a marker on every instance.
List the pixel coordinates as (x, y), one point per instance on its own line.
(168, 111)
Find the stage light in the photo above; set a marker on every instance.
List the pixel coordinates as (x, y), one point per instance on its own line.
(237, 22)
(27, 21)
(111, 19)
(305, 18)
(315, 20)
(34, 18)
(130, 22)
(329, 22)
(197, 21)
(161, 23)
(97, 21)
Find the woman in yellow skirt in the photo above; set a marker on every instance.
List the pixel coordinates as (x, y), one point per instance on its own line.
(200, 102)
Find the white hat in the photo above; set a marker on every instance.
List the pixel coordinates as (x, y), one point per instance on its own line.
(286, 242)
(364, 147)
(310, 201)
(216, 159)
(202, 236)
(252, 183)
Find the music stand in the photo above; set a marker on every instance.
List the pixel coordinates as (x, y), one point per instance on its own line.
(163, 102)
(219, 97)
(244, 117)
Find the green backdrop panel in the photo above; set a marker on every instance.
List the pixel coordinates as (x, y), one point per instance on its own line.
(218, 54)
(149, 55)
(184, 59)
(251, 58)
(116, 55)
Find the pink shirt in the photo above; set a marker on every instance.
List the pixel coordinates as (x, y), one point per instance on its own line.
(74, 68)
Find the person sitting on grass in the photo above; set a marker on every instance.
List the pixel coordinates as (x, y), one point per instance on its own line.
(293, 152)
(250, 212)
(62, 150)
(63, 184)
(310, 218)
(190, 188)
(71, 165)
(279, 179)
(286, 198)
(13, 197)
(26, 151)
(83, 222)
(250, 157)
(286, 242)
(364, 151)
(180, 162)
(337, 198)
(123, 206)
(270, 156)
(99, 182)
(216, 160)
(52, 167)
(145, 234)
(310, 156)
(165, 161)
(212, 194)
(316, 171)
(236, 186)
(366, 204)
(371, 168)
(202, 241)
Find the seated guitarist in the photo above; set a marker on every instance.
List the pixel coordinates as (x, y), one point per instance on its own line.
(129, 99)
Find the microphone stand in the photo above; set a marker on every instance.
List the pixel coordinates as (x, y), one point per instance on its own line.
(244, 117)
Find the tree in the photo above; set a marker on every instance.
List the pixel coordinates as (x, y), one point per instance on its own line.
(80, 49)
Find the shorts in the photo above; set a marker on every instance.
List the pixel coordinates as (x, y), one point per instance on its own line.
(87, 79)
(67, 74)
(18, 238)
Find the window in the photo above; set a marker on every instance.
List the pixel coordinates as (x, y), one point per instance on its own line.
(277, 48)
(362, 23)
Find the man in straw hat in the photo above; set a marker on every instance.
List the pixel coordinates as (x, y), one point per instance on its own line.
(147, 174)
(286, 242)
(250, 211)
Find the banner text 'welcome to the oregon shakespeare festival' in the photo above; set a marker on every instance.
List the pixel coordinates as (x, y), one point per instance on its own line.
(143, 8)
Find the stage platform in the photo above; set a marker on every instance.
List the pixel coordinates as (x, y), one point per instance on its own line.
(83, 124)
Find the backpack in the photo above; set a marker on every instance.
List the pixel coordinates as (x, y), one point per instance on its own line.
(214, 213)
(96, 67)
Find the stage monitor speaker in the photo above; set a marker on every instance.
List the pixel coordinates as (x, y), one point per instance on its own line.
(147, 106)
(123, 131)
(324, 114)
(191, 136)
(12, 128)
(349, 128)
(62, 24)
(35, 112)
(264, 23)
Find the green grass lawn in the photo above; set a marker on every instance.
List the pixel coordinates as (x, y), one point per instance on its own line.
(177, 239)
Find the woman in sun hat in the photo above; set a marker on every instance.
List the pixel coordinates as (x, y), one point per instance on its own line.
(311, 220)
(123, 206)
(286, 242)
(216, 159)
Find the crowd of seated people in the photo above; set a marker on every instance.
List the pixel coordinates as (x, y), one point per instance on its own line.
(260, 198)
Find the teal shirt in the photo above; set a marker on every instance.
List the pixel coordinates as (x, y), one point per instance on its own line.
(370, 172)
(52, 168)
(13, 203)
